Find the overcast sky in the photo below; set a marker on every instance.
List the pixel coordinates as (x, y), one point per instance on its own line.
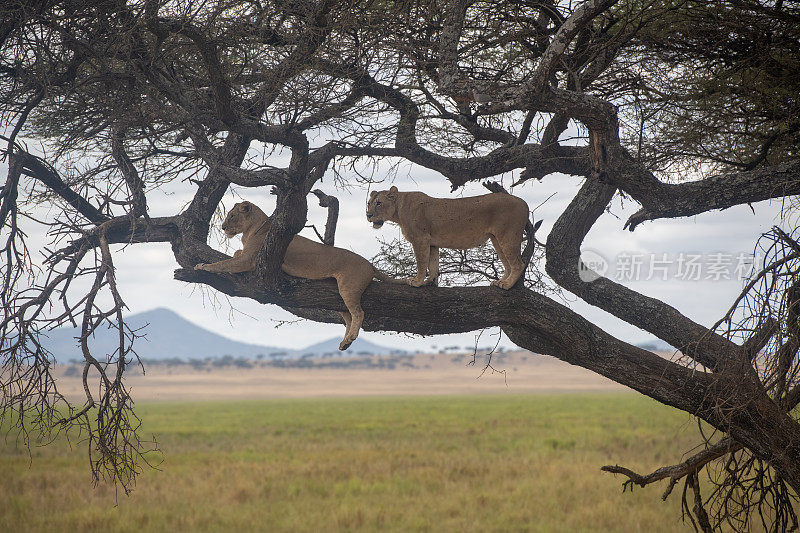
(701, 258)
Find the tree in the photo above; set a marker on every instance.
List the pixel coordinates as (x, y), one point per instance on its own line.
(126, 96)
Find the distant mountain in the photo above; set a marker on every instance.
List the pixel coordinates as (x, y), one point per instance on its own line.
(359, 347)
(169, 335)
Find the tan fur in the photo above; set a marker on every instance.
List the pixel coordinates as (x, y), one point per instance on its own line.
(304, 259)
(461, 223)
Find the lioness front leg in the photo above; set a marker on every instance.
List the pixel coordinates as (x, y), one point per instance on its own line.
(433, 266)
(422, 253)
(238, 263)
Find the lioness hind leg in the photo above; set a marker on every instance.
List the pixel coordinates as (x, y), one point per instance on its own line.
(357, 317)
(350, 290)
(503, 259)
(347, 320)
(510, 246)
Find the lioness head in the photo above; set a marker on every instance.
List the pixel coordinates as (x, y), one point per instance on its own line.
(241, 217)
(382, 206)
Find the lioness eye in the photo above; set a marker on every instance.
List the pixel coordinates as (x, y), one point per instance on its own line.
(377, 204)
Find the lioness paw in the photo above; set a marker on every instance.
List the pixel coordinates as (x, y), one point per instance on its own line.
(414, 282)
(503, 284)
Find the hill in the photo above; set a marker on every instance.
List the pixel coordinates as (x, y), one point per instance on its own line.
(169, 335)
(359, 347)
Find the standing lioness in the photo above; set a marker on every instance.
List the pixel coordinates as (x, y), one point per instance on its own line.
(304, 259)
(461, 223)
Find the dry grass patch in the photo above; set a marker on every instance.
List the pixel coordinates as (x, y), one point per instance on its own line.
(477, 463)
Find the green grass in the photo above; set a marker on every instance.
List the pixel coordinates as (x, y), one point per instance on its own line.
(478, 463)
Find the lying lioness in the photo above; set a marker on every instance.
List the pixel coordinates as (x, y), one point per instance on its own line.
(461, 223)
(304, 259)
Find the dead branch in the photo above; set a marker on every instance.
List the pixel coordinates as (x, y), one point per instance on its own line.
(332, 204)
(675, 472)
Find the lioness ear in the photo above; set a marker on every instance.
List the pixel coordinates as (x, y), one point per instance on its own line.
(246, 207)
(393, 189)
(373, 194)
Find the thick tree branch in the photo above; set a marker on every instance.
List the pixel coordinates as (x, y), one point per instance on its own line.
(717, 192)
(449, 74)
(654, 316)
(288, 219)
(129, 172)
(37, 168)
(124, 230)
(210, 191)
(578, 20)
(10, 190)
(535, 322)
(760, 337)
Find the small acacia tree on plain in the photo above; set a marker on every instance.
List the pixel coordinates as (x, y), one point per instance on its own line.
(674, 114)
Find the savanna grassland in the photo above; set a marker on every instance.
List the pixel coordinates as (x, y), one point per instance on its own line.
(465, 463)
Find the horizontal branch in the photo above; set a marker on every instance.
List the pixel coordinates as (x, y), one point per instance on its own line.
(530, 319)
(124, 229)
(459, 170)
(717, 192)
